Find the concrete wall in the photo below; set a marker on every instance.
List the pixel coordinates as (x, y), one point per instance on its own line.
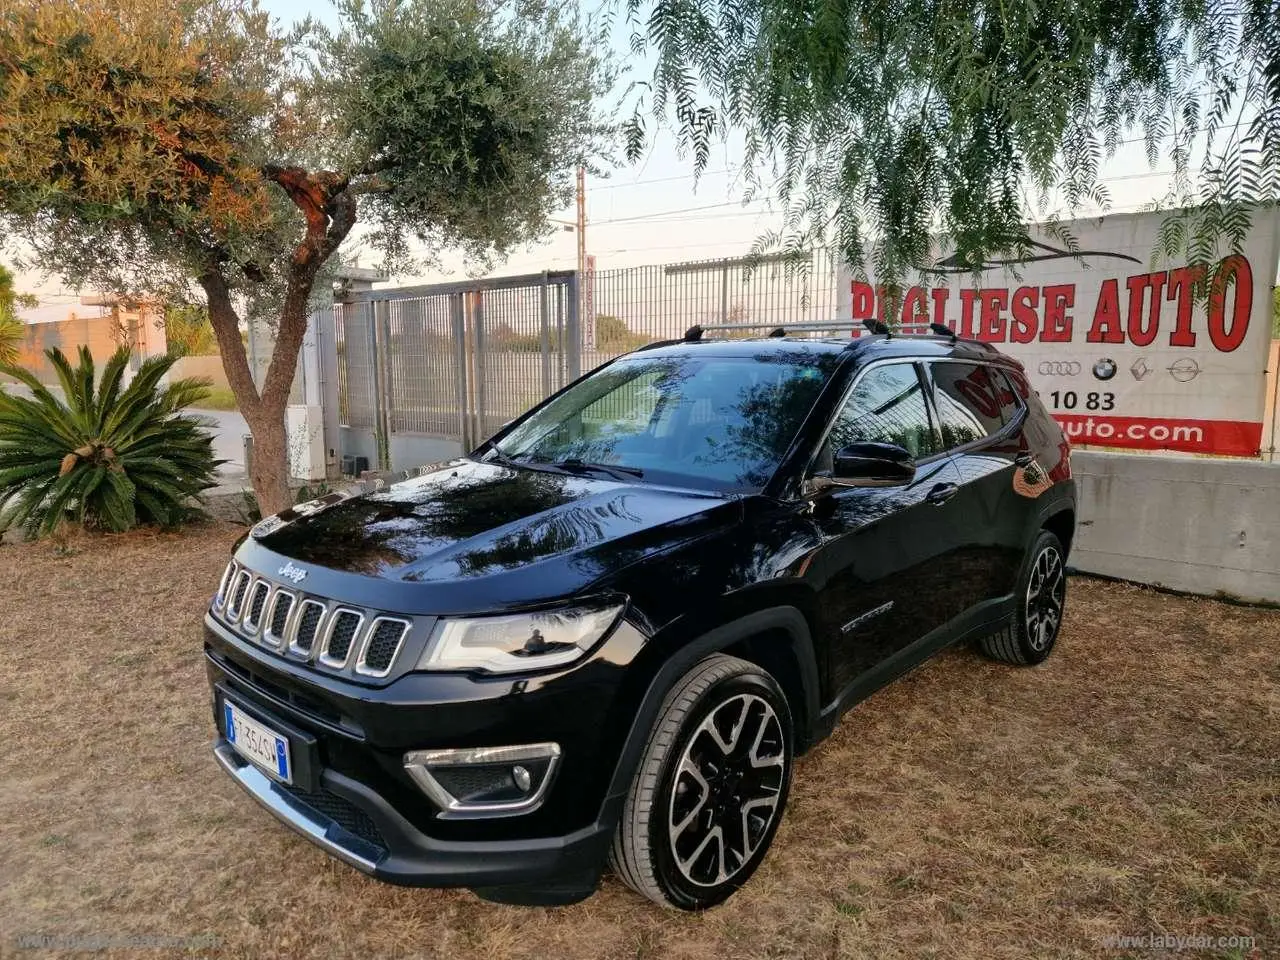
(1206, 526)
(408, 451)
(99, 334)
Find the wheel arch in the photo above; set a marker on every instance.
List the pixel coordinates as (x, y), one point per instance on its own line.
(776, 639)
(1061, 522)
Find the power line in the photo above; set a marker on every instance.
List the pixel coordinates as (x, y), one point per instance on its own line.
(668, 213)
(645, 183)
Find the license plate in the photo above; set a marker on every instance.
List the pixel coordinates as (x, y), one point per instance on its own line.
(257, 743)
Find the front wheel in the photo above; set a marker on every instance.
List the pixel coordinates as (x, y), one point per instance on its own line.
(1042, 597)
(711, 786)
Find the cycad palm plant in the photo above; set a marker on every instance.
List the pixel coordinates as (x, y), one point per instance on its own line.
(11, 336)
(110, 456)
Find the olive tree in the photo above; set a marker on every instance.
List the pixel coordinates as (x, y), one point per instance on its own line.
(197, 149)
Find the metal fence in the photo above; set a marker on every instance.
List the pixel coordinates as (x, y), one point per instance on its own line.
(636, 305)
(451, 361)
(455, 361)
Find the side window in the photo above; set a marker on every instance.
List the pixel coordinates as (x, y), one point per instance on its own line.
(968, 408)
(1010, 405)
(886, 406)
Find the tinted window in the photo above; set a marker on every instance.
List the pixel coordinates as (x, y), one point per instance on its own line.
(886, 406)
(967, 406)
(723, 421)
(1010, 405)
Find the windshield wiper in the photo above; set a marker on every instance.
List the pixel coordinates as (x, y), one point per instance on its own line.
(495, 454)
(575, 465)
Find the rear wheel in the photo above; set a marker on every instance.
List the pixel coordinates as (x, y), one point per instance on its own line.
(710, 789)
(1042, 593)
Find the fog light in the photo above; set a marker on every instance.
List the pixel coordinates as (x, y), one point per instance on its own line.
(485, 781)
(522, 777)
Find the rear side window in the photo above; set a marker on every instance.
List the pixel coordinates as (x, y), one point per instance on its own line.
(969, 408)
(886, 406)
(1007, 394)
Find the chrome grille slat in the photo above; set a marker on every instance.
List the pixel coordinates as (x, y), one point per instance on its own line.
(277, 627)
(386, 637)
(339, 637)
(224, 585)
(310, 616)
(258, 595)
(235, 605)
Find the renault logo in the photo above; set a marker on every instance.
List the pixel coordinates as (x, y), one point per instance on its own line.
(1058, 368)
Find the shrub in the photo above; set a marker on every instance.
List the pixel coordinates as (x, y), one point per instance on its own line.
(108, 457)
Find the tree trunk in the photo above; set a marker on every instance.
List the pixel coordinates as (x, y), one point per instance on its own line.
(269, 472)
(264, 413)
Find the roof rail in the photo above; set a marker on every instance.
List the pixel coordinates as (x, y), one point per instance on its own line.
(695, 332)
(944, 331)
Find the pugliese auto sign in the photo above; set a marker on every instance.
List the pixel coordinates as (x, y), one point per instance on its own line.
(1121, 350)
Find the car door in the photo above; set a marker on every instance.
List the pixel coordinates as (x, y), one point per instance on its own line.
(980, 432)
(883, 569)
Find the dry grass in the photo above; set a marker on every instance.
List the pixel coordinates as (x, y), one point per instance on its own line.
(971, 810)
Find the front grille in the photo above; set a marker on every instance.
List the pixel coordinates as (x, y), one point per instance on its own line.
(384, 644)
(342, 631)
(366, 643)
(342, 812)
(257, 601)
(308, 624)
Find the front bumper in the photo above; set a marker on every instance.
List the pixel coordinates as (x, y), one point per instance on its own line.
(353, 797)
(408, 856)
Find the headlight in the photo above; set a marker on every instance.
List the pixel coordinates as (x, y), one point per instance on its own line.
(519, 642)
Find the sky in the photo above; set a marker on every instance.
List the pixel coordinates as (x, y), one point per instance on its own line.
(654, 211)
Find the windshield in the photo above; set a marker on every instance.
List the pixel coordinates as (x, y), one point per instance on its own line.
(724, 422)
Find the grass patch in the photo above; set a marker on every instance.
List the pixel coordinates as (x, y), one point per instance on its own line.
(969, 811)
(220, 398)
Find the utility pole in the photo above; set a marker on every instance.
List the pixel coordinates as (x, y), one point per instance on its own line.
(588, 323)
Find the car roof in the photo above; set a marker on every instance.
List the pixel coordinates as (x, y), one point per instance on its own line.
(866, 347)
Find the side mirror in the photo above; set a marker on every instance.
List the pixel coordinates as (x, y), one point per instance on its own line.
(872, 465)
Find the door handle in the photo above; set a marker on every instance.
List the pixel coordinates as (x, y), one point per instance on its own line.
(1023, 460)
(942, 493)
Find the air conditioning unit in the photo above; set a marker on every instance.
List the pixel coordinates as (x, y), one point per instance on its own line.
(305, 427)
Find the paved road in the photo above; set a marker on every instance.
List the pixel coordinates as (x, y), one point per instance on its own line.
(228, 428)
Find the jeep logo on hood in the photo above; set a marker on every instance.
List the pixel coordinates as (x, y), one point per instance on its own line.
(292, 573)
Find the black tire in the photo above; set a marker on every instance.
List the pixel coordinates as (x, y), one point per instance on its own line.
(690, 786)
(1030, 636)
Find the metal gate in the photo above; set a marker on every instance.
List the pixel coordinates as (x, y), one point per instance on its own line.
(426, 372)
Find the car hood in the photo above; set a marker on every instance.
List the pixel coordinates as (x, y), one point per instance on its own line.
(483, 534)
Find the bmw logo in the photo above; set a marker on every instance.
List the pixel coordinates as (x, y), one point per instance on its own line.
(1104, 369)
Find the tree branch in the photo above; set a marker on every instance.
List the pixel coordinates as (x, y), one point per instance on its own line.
(339, 214)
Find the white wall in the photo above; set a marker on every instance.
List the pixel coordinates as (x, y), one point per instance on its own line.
(1195, 524)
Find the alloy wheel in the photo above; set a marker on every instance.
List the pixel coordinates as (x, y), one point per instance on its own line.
(726, 791)
(1046, 592)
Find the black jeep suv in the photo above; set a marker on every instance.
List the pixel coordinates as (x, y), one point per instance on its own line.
(605, 635)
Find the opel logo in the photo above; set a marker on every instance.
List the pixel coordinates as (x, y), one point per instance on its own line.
(1059, 368)
(1184, 370)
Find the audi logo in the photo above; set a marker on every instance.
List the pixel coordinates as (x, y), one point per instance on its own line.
(1058, 368)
